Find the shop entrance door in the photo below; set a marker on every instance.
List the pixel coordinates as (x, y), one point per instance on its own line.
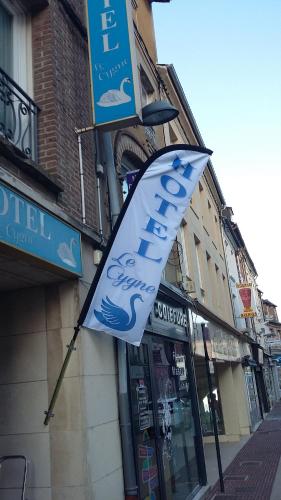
(253, 400)
(163, 420)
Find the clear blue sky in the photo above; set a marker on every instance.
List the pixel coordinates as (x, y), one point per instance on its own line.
(227, 55)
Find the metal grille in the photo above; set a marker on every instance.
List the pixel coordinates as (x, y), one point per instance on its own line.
(18, 117)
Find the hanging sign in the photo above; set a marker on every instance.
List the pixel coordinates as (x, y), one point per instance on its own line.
(126, 284)
(245, 291)
(114, 74)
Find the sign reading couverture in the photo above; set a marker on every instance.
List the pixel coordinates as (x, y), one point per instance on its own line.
(115, 82)
(126, 283)
(245, 291)
(30, 229)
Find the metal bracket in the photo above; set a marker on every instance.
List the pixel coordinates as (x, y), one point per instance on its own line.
(71, 347)
(49, 414)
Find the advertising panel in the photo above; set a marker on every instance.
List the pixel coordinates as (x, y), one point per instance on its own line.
(246, 296)
(220, 343)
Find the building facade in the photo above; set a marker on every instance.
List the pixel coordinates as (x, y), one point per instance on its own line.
(205, 279)
(128, 422)
(49, 252)
(260, 376)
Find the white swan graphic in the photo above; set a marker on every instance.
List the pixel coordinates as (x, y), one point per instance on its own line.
(65, 253)
(115, 97)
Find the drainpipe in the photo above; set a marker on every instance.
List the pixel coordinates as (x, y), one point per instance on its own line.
(99, 175)
(81, 173)
(130, 483)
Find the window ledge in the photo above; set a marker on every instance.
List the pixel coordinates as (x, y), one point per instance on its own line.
(13, 154)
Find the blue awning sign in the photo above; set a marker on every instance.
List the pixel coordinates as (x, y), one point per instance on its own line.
(27, 227)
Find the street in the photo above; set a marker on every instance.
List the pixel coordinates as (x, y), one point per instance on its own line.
(253, 474)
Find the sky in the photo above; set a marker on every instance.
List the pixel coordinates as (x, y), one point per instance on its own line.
(227, 55)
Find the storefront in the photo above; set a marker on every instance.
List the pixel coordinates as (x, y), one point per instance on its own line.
(40, 265)
(258, 356)
(249, 367)
(269, 367)
(203, 397)
(252, 394)
(227, 378)
(167, 437)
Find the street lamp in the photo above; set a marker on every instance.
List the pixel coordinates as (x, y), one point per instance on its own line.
(157, 113)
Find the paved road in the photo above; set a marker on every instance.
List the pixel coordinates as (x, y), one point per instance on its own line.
(252, 474)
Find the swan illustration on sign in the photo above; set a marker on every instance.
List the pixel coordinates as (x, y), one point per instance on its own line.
(115, 97)
(115, 317)
(65, 253)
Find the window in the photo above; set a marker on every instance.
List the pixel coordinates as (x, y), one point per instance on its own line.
(184, 257)
(147, 90)
(15, 43)
(6, 40)
(197, 253)
(204, 398)
(129, 164)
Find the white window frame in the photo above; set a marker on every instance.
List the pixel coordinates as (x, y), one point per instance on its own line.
(185, 263)
(22, 45)
(198, 263)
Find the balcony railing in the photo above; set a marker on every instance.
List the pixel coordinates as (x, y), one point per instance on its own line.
(18, 117)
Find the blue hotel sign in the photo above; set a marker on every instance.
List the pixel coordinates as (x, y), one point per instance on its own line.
(115, 82)
(26, 227)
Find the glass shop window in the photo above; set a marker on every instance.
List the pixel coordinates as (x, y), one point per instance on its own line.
(204, 399)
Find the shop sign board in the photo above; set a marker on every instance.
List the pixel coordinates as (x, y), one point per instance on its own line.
(32, 230)
(169, 318)
(222, 344)
(114, 73)
(245, 291)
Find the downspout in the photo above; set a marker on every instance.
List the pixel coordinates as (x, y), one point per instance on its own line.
(81, 174)
(99, 175)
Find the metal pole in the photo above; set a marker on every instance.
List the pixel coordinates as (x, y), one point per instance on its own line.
(70, 348)
(81, 173)
(99, 174)
(130, 482)
(216, 434)
(108, 161)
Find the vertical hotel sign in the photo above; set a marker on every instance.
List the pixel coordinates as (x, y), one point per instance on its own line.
(114, 75)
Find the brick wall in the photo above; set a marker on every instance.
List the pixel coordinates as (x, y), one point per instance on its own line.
(62, 91)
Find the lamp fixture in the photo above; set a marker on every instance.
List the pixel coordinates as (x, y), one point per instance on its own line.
(157, 113)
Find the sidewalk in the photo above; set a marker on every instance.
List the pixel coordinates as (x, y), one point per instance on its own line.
(252, 475)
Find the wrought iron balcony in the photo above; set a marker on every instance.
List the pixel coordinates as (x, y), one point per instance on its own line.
(18, 117)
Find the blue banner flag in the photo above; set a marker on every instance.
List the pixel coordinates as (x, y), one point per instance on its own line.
(127, 280)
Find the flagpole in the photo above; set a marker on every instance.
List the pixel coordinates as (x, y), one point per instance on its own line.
(70, 348)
